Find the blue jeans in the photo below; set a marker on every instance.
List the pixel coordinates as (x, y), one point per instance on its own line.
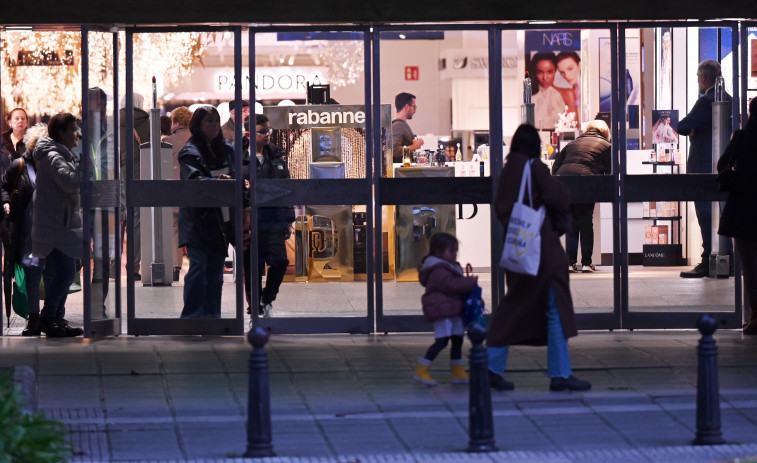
(558, 359)
(59, 273)
(203, 284)
(33, 277)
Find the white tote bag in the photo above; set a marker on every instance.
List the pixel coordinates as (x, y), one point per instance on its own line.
(522, 251)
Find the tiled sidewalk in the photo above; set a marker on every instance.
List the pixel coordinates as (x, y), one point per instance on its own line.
(351, 398)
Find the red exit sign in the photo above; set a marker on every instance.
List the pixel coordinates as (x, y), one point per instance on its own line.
(411, 72)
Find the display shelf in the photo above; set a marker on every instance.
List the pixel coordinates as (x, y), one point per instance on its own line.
(678, 217)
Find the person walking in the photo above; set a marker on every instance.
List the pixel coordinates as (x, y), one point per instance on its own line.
(738, 219)
(443, 303)
(18, 186)
(204, 230)
(588, 154)
(274, 223)
(536, 310)
(57, 230)
(11, 148)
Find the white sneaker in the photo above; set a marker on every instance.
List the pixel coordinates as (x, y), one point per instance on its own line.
(266, 310)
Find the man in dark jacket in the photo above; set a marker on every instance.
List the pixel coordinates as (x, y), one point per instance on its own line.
(588, 154)
(697, 125)
(274, 223)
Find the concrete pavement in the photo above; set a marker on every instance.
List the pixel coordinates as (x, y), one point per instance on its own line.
(350, 398)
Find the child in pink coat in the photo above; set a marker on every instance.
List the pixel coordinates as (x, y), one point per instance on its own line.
(443, 304)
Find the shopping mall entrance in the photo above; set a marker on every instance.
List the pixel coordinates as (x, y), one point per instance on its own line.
(363, 211)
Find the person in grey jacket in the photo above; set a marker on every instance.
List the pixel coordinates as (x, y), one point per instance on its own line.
(57, 232)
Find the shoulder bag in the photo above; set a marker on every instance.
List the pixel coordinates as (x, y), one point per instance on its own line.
(522, 250)
(473, 313)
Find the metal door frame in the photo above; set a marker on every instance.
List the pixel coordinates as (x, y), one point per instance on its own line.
(393, 191)
(171, 193)
(95, 194)
(288, 192)
(687, 187)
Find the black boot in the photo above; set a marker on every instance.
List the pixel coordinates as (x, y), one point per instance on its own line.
(69, 331)
(700, 271)
(32, 326)
(51, 327)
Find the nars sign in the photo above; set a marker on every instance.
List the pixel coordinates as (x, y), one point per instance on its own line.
(556, 39)
(270, 80)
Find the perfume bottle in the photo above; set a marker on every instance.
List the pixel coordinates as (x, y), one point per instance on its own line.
(406, 156)
(527, 89)
(719, 87)
(458, 154)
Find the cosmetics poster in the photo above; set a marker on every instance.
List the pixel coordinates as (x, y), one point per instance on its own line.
(665, 126)
(631, 78)
(553, 62)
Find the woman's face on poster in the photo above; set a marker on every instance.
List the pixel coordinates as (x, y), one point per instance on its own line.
(545, 73)
(569, 70)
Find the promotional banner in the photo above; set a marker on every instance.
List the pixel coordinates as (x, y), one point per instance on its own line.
(553, 62)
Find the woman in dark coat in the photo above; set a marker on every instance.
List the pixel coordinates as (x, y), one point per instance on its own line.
(536, 310)
(738, 219)
(203, 230)
(19, 182)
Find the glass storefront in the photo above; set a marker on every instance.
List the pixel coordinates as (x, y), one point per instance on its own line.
(364, 209)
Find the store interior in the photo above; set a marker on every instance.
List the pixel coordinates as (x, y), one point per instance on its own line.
(448, 72)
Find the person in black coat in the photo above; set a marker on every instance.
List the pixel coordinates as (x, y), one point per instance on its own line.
(205, 231)
(18, 184)
(274, 223)
(739, 220)
(697, 125)
(589, 154)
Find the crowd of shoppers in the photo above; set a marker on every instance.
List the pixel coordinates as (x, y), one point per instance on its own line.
(42, 219)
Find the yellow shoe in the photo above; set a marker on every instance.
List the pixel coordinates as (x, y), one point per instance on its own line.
(421, 372)
(459, 376)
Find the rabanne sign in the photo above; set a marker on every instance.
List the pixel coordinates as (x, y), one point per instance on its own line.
(311, 116)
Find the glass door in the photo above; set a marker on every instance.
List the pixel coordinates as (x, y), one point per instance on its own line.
(160, 81)
(101, 199)
(676, 267)
(309, 264)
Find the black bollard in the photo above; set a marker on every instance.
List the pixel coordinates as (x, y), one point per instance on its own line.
(708, 394)
(481, 423)
(259, 401)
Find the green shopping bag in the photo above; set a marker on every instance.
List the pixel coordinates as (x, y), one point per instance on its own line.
(20, 299)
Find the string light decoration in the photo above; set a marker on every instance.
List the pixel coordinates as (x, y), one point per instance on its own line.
(41, 70)
(343, 58)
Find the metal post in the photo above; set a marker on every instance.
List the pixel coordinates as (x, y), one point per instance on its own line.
(481, 423)
(708, 395)
(259, 401)
(720, 264)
